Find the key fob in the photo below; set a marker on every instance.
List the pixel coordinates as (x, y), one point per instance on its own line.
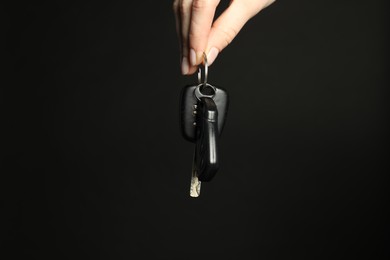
(189, 104)
(207, 136)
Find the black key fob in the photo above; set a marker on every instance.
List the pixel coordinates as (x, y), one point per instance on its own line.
(207, 136)
(189, 103)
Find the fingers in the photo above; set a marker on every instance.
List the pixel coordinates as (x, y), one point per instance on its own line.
(202, 16)
(228, 25)
(182, 10)
(193, 23)
(197, 33)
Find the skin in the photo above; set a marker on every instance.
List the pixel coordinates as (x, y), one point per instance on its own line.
(198, 32)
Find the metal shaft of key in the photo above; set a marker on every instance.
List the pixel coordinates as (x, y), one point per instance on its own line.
(195, 183)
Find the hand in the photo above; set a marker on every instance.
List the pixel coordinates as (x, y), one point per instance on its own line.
(197, 32)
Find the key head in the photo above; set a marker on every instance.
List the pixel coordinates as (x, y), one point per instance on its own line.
(189, 109)
(207, 136)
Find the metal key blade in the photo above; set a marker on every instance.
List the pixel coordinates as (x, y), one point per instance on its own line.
(195, 183)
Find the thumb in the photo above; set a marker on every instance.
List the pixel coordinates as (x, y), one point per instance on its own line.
(229, 24)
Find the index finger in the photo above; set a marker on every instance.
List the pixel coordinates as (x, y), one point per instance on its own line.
(202, 16)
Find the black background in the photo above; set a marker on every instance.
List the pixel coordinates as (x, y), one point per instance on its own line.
(94, 166)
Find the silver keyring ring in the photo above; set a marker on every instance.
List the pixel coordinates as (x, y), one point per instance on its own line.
(206, 71)
(199, 94)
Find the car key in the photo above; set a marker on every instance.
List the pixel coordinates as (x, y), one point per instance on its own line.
(207, 136)
(205, 161)
(203, 112)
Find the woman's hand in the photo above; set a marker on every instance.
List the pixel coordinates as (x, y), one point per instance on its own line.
(197, 32)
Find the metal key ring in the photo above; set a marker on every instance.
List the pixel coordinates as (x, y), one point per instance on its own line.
(199, 94)
(206, 71)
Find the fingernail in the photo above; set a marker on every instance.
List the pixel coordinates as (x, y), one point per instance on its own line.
(184, 66)
(212, 55)
(193, 57)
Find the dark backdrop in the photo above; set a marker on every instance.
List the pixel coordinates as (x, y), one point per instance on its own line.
(94, 166)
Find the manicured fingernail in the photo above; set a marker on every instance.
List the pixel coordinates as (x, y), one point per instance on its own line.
(193, 57)
(212, 55)
(184, 66)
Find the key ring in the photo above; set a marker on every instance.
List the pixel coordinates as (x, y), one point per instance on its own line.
(203, 84)
(206, 71)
